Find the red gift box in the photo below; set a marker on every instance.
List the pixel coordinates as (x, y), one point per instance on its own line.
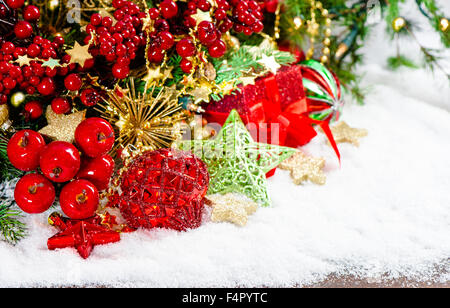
(271, 108)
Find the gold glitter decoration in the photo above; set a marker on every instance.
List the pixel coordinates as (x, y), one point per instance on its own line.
(62, 127)
(342, 132)
(4, 114)
(232, 208)
(79, 54)
(147, 120)
(304, 168)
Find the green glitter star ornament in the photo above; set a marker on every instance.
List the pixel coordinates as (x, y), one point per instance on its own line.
(236, 163)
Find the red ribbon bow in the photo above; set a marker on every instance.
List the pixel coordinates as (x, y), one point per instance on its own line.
(295, 125)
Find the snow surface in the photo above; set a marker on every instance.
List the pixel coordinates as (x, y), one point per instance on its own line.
(384, 214)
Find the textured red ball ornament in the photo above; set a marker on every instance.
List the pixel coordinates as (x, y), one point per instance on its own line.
(165, 189)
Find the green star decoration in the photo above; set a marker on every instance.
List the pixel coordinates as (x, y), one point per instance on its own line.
(236, 163)
(52, 63)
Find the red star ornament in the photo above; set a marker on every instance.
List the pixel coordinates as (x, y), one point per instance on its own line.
(80, 234)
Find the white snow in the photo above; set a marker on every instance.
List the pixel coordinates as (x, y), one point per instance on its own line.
(384, 213)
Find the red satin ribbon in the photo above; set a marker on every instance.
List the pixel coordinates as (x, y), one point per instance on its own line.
(294, 119)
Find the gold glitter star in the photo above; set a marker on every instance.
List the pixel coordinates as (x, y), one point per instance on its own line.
(23, 60)
(232, 208)
(62, 127)
(79, 54)
(153, 74)
(270, 63)
(200, 94)
(342, 132)
(248, 80)
(201, 16)
(305, 168)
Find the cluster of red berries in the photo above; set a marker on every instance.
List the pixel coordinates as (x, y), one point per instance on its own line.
(242, 15)
(118, 43)
(60, 162)
(34, 76)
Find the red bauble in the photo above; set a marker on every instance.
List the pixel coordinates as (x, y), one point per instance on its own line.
(24, 149)
(94, 137)
(164, 188)
(33, 110)
(79, 199)
(73, 82)
(97, 170)
(34, 194)
(168, 9)
(61, 105)
(23, 30)
(60, 161)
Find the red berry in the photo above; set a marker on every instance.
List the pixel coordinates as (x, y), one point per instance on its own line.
(154, 13)
(97, 170)
(156, 55)
(217, 49)
(73, 82)
(186, 66)
(23, 30)
(94, 137)
(61, 105)
(46, 86)
(167, 40)
(207, 32)
(168, 9)
(90, 97)
(120, 71)
(15, 4)
(34, 194)
(34, 110)
(79, 199)
(60, 161)
(186, 48)
(31, 13)
(24, 149)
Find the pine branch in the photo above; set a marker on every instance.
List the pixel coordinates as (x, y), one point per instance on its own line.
(7, 171)
(12, 229)
(399, 61)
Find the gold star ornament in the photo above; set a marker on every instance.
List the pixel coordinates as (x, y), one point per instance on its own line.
(304, 168)
(79, 54)
(233, 208)
(269, 63)
(342, 132)
(62, 127)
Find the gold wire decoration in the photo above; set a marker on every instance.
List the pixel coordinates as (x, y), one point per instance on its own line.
(147, 120)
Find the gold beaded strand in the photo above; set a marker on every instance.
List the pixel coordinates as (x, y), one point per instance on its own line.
(313, 31)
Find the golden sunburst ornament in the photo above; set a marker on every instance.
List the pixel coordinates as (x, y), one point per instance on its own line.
(148, 120)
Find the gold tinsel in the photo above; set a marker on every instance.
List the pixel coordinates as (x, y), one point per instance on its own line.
(147, 120)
